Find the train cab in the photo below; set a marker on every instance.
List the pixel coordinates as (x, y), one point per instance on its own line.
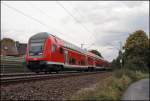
(43, 51)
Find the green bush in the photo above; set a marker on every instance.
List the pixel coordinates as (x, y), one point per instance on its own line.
(110, 88)
(84, 94)
(134, 75)
(141, 75)
(113, 88)
(136, 63)
(119, 73)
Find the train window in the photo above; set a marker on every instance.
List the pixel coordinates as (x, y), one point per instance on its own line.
(61, 50)
(36, 48)
(82, 62)
(70, 60)
(54, 48)
(73, 61)
(79, 62)
(55, 40)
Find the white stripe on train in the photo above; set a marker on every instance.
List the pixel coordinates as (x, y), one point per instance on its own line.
(67, 65)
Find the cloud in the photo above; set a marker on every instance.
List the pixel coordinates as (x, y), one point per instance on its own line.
(99, 22)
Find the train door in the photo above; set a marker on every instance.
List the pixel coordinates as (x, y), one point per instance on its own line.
(54, 54)
(94, 62)
(66, 57)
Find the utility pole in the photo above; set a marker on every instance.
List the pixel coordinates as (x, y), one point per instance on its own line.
(5, 53)
(120, 52)
(82, 45)
(121, 58)
(87, 44)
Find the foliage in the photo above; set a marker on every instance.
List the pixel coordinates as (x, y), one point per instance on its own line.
(137, 51)
(136, 63)
(135, 67)
(133, 74)
(136, 55)
(116, 64)
(7, 41)
(137, 39)
(96, 52)
(110, 88)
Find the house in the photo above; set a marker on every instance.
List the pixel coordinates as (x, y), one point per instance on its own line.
(11, 48)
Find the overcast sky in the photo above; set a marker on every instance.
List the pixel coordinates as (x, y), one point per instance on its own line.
(103, 23)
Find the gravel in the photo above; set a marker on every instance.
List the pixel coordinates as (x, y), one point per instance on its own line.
(56, 89)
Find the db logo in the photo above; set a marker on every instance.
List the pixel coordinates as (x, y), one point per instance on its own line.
(34, 58)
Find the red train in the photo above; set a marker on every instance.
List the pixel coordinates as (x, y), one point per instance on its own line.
(47, 53)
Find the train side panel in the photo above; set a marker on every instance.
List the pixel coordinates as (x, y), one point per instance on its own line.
(76, 60)
(48, 53)
(57, 52)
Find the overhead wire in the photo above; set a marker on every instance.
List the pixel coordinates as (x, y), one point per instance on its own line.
(30, 17)
(37, 20)
(25, 14)
(76, 20)
(42, 12)
(74, 17)
(81, 16)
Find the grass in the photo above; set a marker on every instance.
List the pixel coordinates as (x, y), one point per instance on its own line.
(110, 88)
(16, 69)
(134, 75)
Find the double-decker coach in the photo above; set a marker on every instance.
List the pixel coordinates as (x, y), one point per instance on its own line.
(47, 53)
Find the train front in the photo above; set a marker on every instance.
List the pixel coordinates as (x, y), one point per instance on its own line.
(36, 54)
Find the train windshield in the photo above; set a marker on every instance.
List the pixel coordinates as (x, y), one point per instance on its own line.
(36, 48)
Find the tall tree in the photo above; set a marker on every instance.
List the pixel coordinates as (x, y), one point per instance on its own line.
(96, 53)
(137, 39)
(137, 49)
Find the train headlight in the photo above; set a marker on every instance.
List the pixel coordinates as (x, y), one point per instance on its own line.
(35, 59)
(40, 53)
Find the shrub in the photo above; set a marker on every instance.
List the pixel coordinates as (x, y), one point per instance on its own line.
(141, 75)
(136, 63)
(134, 75)
(119, 73)
(84, 94)
(109, 89)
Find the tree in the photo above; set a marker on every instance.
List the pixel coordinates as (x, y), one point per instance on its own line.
(138, 38)
(136, 55)
(96, 53)
(137, 49)
(116, 62)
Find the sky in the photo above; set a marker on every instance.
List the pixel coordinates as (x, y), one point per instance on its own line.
(100, 25)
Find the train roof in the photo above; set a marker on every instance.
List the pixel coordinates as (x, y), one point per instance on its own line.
(41, 35)
(93, 55)
(44, 35)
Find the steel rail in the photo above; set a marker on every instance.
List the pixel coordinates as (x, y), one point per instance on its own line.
(32, 73)
(16, 74)
(20, 79)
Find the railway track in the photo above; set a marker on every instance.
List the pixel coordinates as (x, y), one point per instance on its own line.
(30, 73)
(15, 74)
(30, 77)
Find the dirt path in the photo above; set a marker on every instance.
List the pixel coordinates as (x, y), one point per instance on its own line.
(137, 91)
